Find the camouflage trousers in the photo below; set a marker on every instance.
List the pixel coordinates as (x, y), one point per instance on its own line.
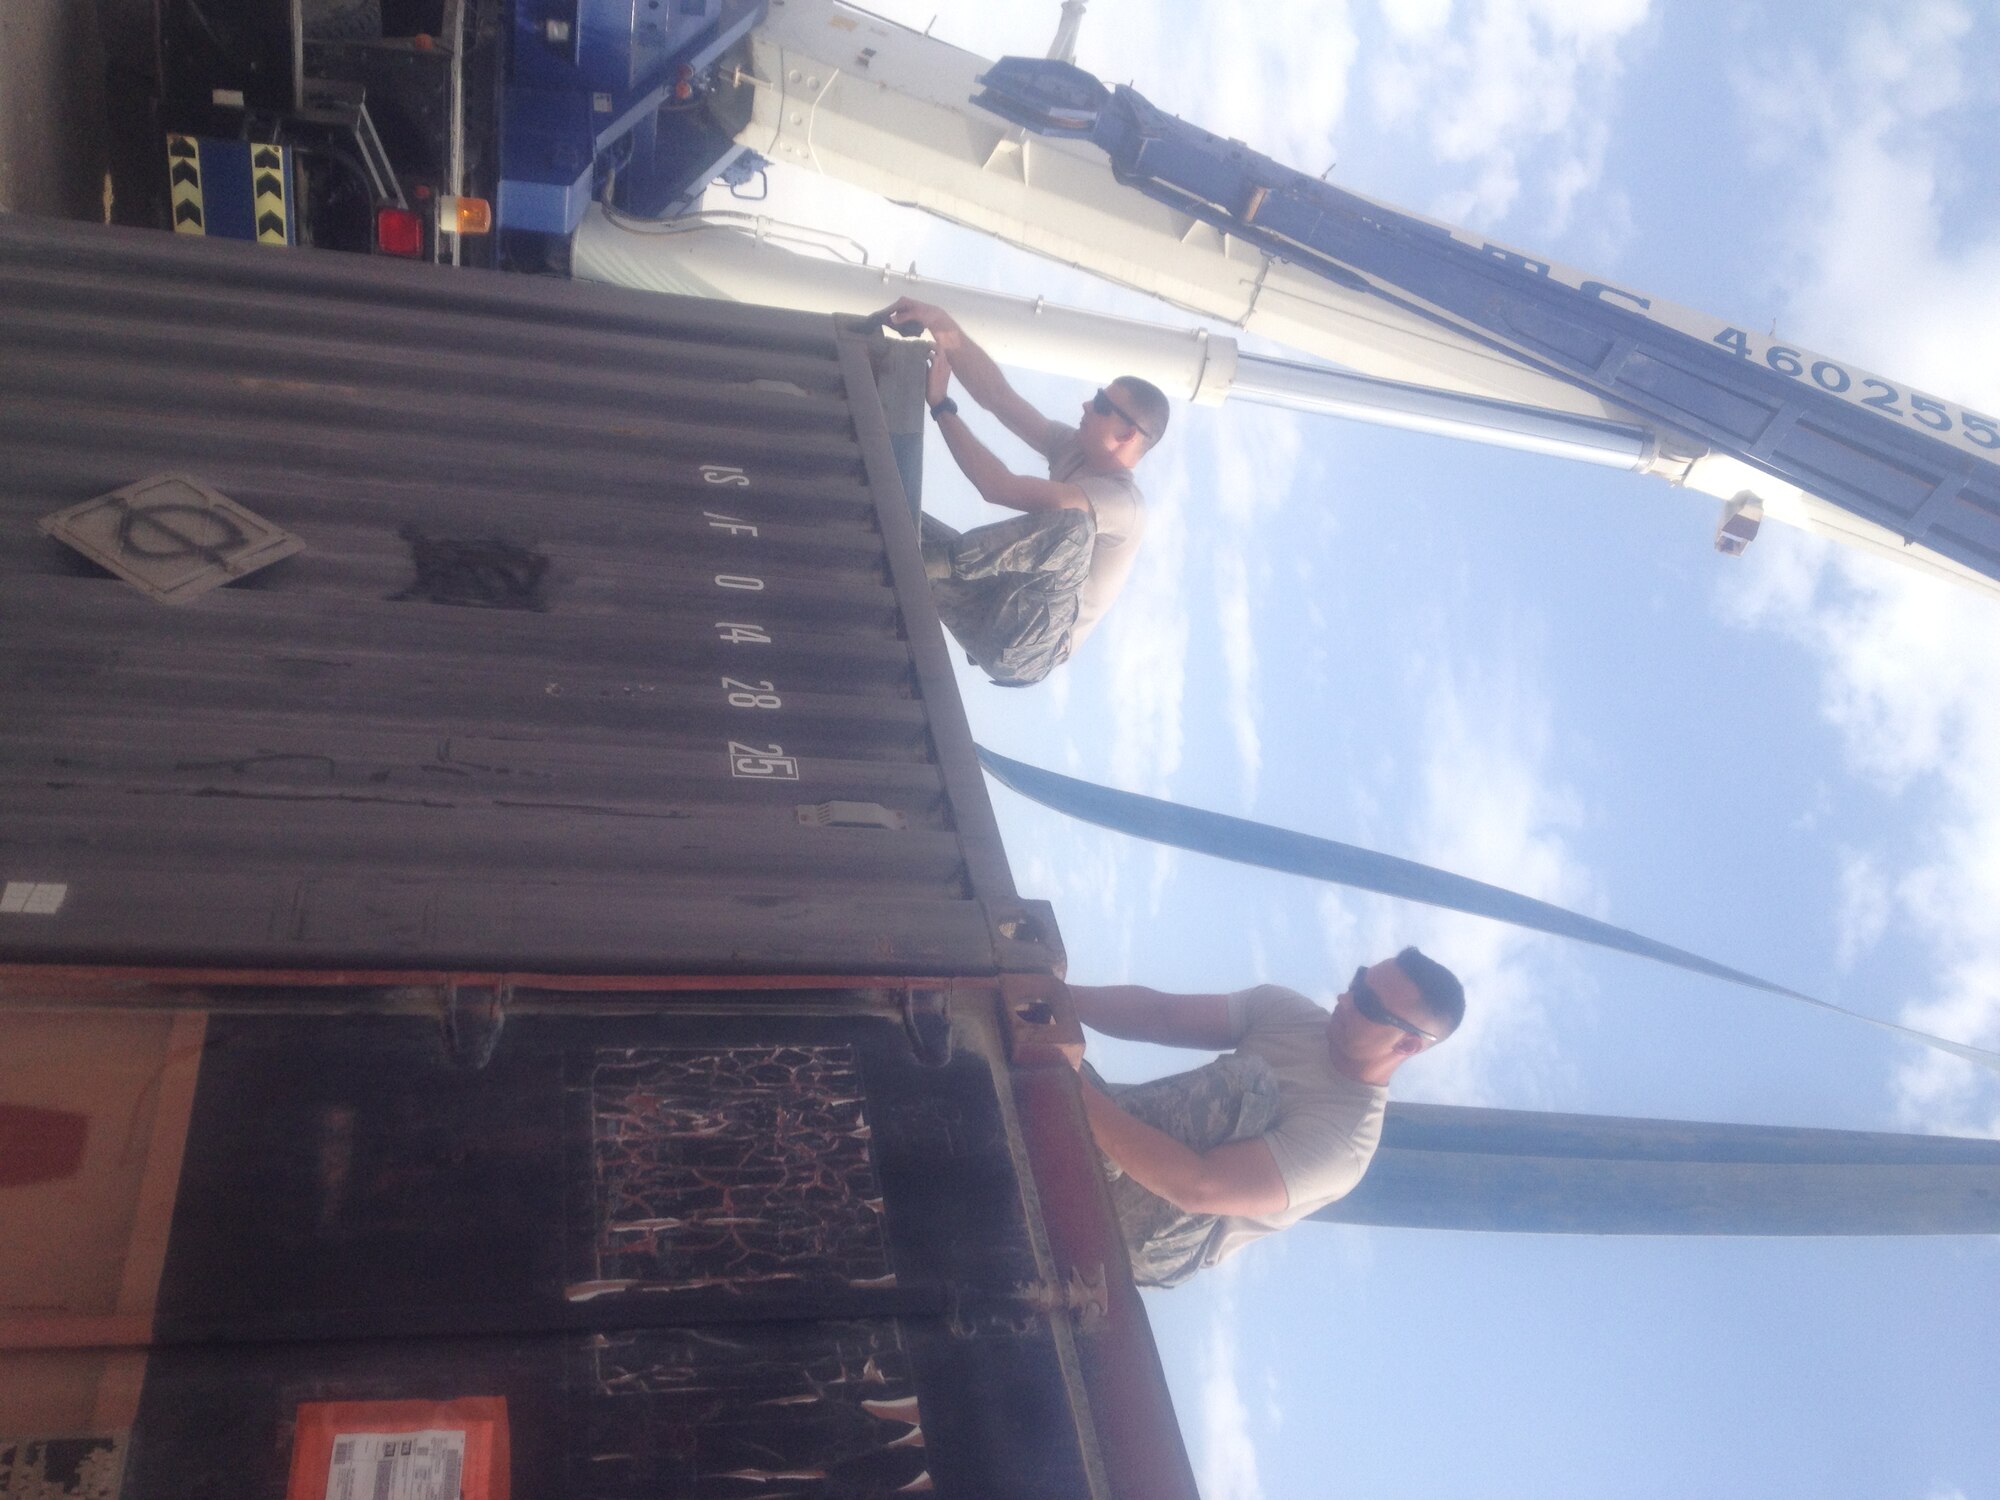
(1010, 594)
(1231, 1099)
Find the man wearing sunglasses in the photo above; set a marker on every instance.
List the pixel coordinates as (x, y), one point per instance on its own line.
(1020, 595)
(1204, 1162)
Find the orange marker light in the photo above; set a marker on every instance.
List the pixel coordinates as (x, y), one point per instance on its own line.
(465, 215)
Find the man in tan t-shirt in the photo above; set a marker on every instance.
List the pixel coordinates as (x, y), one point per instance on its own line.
(1204, 1162)
(1020, 595)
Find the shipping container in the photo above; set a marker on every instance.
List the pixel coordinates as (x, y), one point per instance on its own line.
(508, 975)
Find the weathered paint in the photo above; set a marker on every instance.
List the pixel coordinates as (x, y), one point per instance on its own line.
(607, 637)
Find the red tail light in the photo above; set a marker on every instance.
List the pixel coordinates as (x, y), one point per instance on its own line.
(398, 232)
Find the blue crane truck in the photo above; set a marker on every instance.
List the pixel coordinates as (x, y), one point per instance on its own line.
(462, 132)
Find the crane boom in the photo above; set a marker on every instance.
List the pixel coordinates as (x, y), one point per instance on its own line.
(1921, 467)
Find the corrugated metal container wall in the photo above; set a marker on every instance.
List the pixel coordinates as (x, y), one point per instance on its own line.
(602, 718)
(607, 649)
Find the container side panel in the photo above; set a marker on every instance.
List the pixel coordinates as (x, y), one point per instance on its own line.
(363, 616)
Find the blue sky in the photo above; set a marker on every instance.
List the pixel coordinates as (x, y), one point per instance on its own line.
(1542, 675)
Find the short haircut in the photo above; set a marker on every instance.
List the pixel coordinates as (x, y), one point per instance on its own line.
(1444, 996)
(1148, 404)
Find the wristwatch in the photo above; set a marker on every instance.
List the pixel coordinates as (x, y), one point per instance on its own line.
(944, 408)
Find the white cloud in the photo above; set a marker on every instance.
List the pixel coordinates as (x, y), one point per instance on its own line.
(1898, 261)
(1259, 959)
(1226, 1453)
(1415, 20)
(1865, 905)
(1895, 265)
(1233, 623)
(1340, 930)
(1141, 647)
(1485, 804)
(1279, 82)
(1056, 685)
(1166, 865)
(1258, 454)
(1491, 809)
(1515, 87)
(1910, 680)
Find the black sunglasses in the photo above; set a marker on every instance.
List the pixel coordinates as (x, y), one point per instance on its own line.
(1370, 1005)
(1104, 406)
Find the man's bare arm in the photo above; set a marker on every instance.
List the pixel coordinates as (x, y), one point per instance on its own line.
(1241, 1177)
(997, 484)
(1139, 1014)
(981, 377)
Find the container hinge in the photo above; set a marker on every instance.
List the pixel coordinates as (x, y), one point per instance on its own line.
(473, 1018)
(851, 815)
(1020, 1310)
(927, 1019)
(1084, 1296)
(1021, 926)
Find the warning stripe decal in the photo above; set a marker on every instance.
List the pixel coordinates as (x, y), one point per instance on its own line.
(184, 183)
(268, 174)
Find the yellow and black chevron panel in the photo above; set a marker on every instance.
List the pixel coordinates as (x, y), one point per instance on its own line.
(239, 190)
(184, 183)
(270, 174)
